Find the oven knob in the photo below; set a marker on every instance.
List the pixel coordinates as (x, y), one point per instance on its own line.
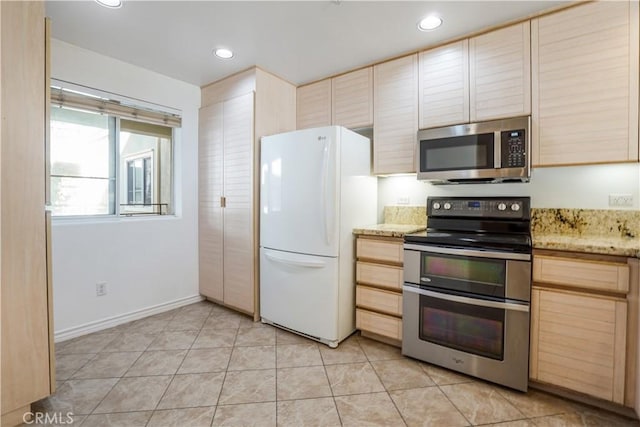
(515, 207)
(447, 206)
(502, 206)
(436, 205)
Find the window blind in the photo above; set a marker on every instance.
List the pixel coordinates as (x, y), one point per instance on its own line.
(68, 99)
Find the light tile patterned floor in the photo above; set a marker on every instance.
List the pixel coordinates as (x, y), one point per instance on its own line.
(205, 365)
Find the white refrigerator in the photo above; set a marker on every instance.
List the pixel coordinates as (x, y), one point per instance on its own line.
(315, 187)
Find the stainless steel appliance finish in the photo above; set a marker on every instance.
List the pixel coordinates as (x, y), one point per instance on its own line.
(467, 288)
(492, 151)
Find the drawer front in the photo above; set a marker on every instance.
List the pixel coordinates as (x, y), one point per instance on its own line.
(580, 273)
(379, 275)
(380, 250)
(379, 300)
(380, 324)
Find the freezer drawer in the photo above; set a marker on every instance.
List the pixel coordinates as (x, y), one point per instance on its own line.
(300, 292)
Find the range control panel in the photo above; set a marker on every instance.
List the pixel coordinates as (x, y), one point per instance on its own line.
(513, 148)
(481, 207)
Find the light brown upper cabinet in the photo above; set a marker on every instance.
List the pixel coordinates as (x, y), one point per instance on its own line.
(481, 78)
(313, 105)
(585, 85)
(444, 85)
(500, 73)
(395, 115)
(235, 113)
(352, 96)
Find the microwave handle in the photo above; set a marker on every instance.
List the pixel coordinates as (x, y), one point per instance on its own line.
(497, 149)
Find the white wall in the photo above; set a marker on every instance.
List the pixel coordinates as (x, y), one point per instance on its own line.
(586, 187)
(146, 262)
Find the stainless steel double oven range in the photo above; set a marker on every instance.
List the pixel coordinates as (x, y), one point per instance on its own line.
(467, 288)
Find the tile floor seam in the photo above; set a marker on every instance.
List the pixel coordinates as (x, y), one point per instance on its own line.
(103, 397)
(453, 404)
(175, 373)
(386, 390)
(224, 379)
(78, 370)
(333, 396)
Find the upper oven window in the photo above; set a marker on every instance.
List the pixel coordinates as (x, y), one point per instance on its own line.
(457, 153)
(482, 276)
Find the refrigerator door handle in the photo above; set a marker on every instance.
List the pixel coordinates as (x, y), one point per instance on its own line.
(292, 261)
(325, 192)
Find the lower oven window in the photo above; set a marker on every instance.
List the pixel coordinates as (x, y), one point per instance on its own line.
(466, 327)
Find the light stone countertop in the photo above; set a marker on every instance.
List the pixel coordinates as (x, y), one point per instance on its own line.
(620, 246)
(388, 230)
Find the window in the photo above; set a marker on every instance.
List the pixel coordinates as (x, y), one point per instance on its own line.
(103, 162)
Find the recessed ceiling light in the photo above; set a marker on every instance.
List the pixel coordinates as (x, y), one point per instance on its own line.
(223, 53)
(429, 23)
(111, 4)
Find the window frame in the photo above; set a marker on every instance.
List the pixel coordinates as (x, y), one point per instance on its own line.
(114, 180)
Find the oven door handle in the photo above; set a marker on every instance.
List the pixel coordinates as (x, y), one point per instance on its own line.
(466, 300)
(468, 252)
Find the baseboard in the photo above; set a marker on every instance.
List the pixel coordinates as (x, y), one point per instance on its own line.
(110, 322)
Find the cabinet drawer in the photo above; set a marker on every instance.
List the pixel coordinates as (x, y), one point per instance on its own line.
(379, 300)
(380, 250)
(380, 324)
(604, 276)
(380, 275)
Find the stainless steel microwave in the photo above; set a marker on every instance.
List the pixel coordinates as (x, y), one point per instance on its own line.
(492, 151)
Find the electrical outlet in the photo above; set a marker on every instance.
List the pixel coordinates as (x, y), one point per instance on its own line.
(101, 289)
(403, 200)
(621, 200)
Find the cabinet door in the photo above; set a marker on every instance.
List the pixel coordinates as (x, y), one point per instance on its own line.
(313, 105)
(578, 342)
(585, 85)
(395, 111)
(352, 99)
(24, 303)
(238, 212)
(500, 73)
(210, 227)
(444, 85)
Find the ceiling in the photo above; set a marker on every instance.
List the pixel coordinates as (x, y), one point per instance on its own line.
(300, 41)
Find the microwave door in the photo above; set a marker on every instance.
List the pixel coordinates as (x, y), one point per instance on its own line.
(459, 157)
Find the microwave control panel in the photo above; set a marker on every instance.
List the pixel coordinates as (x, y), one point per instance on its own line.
(513, 149)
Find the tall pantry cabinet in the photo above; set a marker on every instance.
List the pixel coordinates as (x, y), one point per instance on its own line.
(235, 113)
(27, 347)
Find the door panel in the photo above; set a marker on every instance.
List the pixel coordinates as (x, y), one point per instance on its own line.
(299, 200)
(300, 292)
(211, 223)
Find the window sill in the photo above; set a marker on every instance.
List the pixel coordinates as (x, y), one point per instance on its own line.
(109, 219)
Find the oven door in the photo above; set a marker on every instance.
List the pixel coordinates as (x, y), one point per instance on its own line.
(498, 274)
(481, 337)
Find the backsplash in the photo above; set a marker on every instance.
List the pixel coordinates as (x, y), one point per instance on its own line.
(413, 215)
(585, 222)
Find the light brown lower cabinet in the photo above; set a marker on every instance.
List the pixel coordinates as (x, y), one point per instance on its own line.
(584, 323)
(379, 287)
(579, 342)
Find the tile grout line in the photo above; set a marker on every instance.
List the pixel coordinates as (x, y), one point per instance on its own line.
(153, 411)
(382, 383)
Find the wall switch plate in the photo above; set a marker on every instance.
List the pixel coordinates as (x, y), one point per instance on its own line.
(101, 289)
(403, 200)
(621, 200)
